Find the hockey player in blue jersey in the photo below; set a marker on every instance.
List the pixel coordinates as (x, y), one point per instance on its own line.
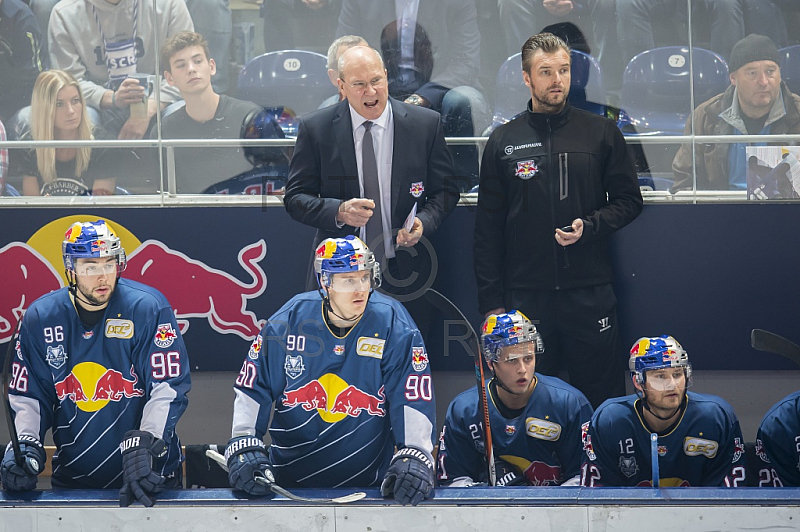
(535, 419)
(101, 363)
(698, 440)
(778, 444)
(347, 374)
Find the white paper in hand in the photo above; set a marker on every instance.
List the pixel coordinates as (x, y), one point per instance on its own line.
(409, 223)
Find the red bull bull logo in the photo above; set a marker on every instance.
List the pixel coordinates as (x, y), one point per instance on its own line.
(91, 386)
(542, 474)
(333, 401)
(526, 169)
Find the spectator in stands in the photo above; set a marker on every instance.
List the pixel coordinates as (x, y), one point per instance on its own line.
(698, 441)
(58, 112)
(756, 103)
(102, 43)
(20, 62)
(522, 18)
(452, 88)
(298, 24)
(337, 48)
(206, 115)
(3, 161)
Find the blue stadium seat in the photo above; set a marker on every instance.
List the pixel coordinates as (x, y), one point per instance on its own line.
(295, 80)
(790, 67)
(655, 88)
(511, 94)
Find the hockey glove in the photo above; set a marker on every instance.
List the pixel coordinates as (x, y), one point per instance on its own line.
(16, 478)
(508, 475)
(409, 477)
(247, 459)
(140, 482)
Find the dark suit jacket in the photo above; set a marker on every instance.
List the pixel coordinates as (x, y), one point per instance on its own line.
(452, 26)
(323, 171)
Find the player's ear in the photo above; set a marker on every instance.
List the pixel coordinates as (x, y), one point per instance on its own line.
(636, 384)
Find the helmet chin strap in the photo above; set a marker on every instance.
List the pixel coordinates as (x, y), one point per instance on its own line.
(646, 405)
(73, 288)
(329, 307)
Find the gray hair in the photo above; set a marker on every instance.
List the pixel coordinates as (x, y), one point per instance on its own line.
(346, 41)
(342, 61)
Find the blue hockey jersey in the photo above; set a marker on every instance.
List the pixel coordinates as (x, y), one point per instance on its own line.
(543, 443)
(778, 444)
(341, 404)
(91, 385)
(705, 448)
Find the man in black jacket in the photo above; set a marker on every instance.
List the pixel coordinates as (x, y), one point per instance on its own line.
(555, 183)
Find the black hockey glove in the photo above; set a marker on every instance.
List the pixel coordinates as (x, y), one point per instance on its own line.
(409, 477)
(140, 482)
(247, 460)
(508, 475)
(16, 478)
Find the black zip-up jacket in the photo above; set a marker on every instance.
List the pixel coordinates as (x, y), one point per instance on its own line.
(539, 172)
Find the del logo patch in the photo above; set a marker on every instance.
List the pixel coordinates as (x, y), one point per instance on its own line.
(56, 356)
(119, 329)
(526, 169)
(370, 347)
(417, 189)
(294, 366)
(699, 446)
(541, 429)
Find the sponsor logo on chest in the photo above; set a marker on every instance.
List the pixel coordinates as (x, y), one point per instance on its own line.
(542, 430)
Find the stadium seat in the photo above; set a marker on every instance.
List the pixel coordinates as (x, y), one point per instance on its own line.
(295, 80)
(512, 95)
(790, 67)
(656, 88)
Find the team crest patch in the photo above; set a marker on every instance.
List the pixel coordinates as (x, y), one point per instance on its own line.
(417, 189)
(294, 366)
(338, 350)
(628, 465)
(88, 334)
(738, 449)
(18, 349)
(760, 452)
(586, 438)
(526, 169)
(255, 347)
(419, 358)
(662, 450)
(511, 430)
(165, 335)
(56, 356)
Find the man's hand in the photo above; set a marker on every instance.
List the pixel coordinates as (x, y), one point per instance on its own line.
(355, 212)
(140, 481)
(409, 477)
(416, 99)
(129, 92)
(16, 478)
(558, 7)
(498, 310)
(567, 239)
(134, 129)
(406, 239)
(247, 459)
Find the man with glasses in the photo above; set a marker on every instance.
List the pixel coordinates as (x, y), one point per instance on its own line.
(663, 436)
(101, 363)
(377, 168)
(347, 372)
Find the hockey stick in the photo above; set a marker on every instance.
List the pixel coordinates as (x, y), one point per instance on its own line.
(654, 469)
(452, 314)
(772, 343)
(353, 497)
(12, 428)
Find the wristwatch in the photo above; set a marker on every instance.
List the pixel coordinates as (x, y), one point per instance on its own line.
(415, 99)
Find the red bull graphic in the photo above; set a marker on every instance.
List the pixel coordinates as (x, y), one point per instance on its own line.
(665, 483)
(165, 335)
(526, 169)
(26, 276)
(417, 189)
(92, 380)
(419, 358)
(352, 401)
(310, 396)
(541, 474)
(197, 291)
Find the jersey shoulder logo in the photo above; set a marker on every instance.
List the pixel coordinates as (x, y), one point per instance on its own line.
(56, 356)
(255, 347)
(119, 329)
(165, 335)
(542, 430)
(294, 366)
(419, 358)
(628, 465)
(526, 169)
(370, 347)
(762, 454)
(699, 446)
(738, 449)
(586, 439)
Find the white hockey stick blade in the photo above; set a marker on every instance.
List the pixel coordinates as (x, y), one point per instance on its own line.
(353, 497)
(772, 343)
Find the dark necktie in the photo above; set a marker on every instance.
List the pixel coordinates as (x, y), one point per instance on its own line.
(372, 191)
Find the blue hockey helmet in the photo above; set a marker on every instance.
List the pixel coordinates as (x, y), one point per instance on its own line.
(658, 352)
(511, 328)
(343, 255)
(84, 240)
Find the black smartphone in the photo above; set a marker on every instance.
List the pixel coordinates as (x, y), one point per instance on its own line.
(567, 229)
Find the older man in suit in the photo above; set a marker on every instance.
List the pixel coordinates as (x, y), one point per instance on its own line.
(361, 166)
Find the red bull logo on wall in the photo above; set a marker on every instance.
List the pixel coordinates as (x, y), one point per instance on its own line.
(91, 386)
(34, 268)
(334, 399)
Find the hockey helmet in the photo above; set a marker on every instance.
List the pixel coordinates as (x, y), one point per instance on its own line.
(511, 328)
(84, 240)
(658, 352)
(263, 124)
(343, 255)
